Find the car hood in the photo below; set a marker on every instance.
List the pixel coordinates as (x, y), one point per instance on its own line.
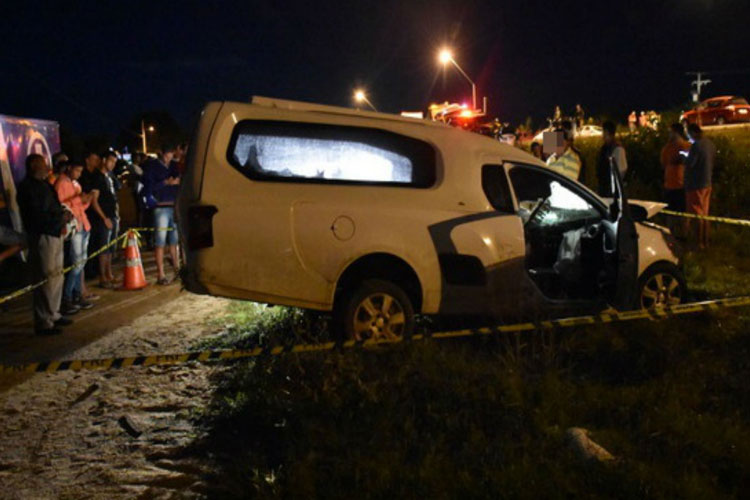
(652, 207)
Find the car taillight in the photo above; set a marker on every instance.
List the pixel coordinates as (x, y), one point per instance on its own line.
(200, 228)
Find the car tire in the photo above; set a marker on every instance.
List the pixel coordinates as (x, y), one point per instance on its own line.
(720, 120)
(660, 285)
(374, 309)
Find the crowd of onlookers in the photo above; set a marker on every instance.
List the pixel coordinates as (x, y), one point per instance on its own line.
(70, 209)
(687, 159)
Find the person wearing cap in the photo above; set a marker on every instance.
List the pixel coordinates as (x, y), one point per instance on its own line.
(57, 160)
(569, 162)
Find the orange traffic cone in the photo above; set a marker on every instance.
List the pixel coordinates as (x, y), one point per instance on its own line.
(133, 277)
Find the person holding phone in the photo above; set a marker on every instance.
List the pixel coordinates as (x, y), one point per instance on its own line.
(672, 158)
(161, 180)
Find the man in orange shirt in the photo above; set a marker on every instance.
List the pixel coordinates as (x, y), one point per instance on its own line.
(673, 156)
(70, 194)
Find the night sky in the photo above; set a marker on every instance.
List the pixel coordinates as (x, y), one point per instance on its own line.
(93, 68)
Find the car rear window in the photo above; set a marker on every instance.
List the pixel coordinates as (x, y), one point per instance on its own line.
(739, 100)
(322, 153)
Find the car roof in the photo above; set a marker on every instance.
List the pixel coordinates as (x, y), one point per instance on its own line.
(478, 143)
(721, 98)
(289, 105)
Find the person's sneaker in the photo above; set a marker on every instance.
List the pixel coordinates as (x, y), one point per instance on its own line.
(82, 303)
(68, 309)
(91, 296)
(49, 331)
(64, 321)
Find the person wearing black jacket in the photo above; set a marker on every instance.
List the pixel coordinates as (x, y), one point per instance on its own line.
(44, 219)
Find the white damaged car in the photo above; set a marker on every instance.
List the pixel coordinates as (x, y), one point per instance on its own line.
(376, 218)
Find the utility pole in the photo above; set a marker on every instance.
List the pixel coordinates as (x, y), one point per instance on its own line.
(698, 83)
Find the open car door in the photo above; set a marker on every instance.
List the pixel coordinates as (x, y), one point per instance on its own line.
(624, 256)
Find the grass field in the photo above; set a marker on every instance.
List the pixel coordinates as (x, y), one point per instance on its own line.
(487, 417)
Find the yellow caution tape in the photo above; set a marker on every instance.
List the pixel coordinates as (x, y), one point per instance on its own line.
(724, 220)
(30, 288)
(65, 270)
(235, 354)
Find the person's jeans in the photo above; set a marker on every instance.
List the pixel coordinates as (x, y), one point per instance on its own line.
(164, 218)
(79, 245)
(115, 232)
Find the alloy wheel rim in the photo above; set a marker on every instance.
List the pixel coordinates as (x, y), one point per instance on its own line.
(661, 290)
(379, 316)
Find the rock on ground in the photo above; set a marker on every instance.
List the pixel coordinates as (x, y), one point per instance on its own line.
(114, 434)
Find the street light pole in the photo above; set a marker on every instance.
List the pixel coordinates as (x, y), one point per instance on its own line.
(445, 57)
(473, 85)
(143, 137)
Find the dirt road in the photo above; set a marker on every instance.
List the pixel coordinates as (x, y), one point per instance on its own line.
(113, 434)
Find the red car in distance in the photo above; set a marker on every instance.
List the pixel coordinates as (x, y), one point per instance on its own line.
(718, 111)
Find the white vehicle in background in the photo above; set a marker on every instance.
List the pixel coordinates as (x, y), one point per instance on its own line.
(589, 131)
(584, 132)
(377, 217)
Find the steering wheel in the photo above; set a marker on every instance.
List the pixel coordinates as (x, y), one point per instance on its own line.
(537, 208)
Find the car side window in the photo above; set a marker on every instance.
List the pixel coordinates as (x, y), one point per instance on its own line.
(495, 186)
(547, 200)
(330, 154)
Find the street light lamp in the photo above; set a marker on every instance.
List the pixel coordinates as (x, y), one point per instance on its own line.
(360, 96)
(143, 135)
(446, 56)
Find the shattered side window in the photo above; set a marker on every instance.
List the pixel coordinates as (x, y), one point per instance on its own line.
(549, 200)
(307, 152)
(563, 205)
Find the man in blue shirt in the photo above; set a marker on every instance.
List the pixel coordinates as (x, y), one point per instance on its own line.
(161, 181)
(699, 168)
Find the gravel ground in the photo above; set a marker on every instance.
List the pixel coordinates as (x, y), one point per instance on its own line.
(115, 434)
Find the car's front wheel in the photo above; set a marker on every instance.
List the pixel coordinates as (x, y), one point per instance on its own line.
(720, 120)
(661, 285)
(375, 309)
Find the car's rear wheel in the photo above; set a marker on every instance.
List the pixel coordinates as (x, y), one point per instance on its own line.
(375, 309)
(661, 285)
(720, 120)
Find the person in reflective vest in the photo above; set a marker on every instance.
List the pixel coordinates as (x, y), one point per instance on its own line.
(569, 161)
